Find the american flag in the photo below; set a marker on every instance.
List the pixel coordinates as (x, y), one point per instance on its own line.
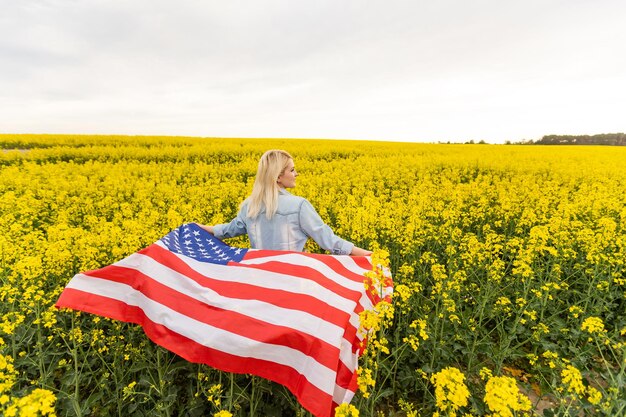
(290, 317)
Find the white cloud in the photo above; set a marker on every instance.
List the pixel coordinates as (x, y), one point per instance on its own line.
(404, 70)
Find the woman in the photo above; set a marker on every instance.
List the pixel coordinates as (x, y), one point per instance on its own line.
(277, 220)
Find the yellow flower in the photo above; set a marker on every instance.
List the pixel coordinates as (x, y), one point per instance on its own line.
(485, 373)
(503, 301)
(594, 396)
(402, 291)
(503, 398)
(593, 325)
(214, 393)
(378, 281)
(129, 390)
(551, 358)
(575, 311)
(223, 413)
(39, 401)
(369, 321)
(412, 340)
(8, 374)
(532, 314)
(573, 380)
(540, 329)
(408, 408)
(451, 393)
(346, 410)
(365, 381)
(421, 323)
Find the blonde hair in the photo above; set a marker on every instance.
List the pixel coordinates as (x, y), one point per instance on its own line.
(265, 190)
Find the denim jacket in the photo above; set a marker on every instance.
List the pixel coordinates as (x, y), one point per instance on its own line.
(294, 222)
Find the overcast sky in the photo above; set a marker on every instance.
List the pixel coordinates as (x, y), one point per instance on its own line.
(415, 70)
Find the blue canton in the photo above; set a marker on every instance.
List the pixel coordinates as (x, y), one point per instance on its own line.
(193, 241)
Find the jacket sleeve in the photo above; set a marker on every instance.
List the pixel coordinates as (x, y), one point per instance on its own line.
(236, 227)
(313, 226)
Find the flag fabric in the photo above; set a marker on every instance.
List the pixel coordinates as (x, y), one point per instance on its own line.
(290, 317)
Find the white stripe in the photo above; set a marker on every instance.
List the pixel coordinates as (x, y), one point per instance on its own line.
(265, 279)
(349, 263)
(269, 279)
(260, 310)
(274, 280)
(298, 259)
(342, 395)
(286, 282)
(346, 356)
(345, 260)
(259, 276)
(207, 335)
(181, 283)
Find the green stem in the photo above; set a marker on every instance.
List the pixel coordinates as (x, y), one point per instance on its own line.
(436, 336)
(75, 397)
(252, 392)
(39, 347)
(475, 338)
(606, 363)
(162, 382)
(232, 391)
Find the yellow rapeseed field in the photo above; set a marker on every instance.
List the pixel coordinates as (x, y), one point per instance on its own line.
(508, 262)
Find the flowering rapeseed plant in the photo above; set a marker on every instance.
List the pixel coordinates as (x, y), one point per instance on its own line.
(451, 393)
(503, 257)
(346, 410)
(503, 398)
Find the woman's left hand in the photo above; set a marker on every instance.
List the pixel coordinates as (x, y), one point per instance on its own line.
(207, 228)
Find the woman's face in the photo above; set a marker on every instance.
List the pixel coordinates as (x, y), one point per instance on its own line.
(288, 178)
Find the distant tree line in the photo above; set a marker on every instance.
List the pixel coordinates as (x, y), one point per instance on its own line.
(613, 139)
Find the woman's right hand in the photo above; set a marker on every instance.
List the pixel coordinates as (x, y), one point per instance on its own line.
(360, 252)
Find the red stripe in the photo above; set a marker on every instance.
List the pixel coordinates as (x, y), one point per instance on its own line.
(228, 320)
(316, 276)
(340, 268)
(362, 262)
(344, 375)
(310, 273)
(295, 301)
(282, 298)
(314, 400)
(331, 261)
(307, 273)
